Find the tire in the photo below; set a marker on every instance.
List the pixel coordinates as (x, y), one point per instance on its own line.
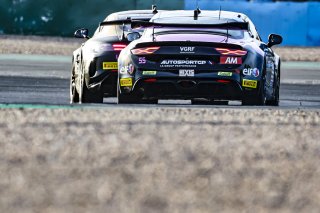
(74, 95)
(275, 101)
(127, 98)
(256, 100)
(91, 97)
(87, 96)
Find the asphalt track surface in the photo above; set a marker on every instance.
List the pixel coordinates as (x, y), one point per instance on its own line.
(44, 80)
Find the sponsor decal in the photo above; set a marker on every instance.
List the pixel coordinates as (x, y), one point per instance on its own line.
(110, 65)
(130, 69)
(186, 73)
(251, 72)
(182, 63)
(123, 70)
(142, 60)
(149, 73)
(126, 82)
(127, 69)
(249, 83)
(229, 74)
(187, 49)
(230, 60)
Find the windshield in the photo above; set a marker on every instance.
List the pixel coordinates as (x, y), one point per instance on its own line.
(232, 33)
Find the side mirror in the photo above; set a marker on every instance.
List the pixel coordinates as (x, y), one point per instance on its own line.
(274, 39)
(82, 33)
(133, 36)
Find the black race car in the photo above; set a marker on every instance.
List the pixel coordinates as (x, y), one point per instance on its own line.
(94, 65)
(200, 55)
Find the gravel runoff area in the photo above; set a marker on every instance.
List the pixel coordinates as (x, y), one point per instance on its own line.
(159, 160)
(65, 46)
(38, 45)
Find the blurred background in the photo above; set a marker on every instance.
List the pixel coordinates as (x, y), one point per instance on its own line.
(298, 21)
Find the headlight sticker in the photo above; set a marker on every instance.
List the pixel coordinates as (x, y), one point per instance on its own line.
(249, 83)
(110, 65)
(126, 82)
(227, 74)
(149, 73)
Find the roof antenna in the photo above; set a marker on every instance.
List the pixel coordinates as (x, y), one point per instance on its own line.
(220, 12)
(198, 8)
(197, 12)
(154, 9)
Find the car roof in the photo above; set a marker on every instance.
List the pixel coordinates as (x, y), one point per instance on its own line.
(227, 15)
(133, 14)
